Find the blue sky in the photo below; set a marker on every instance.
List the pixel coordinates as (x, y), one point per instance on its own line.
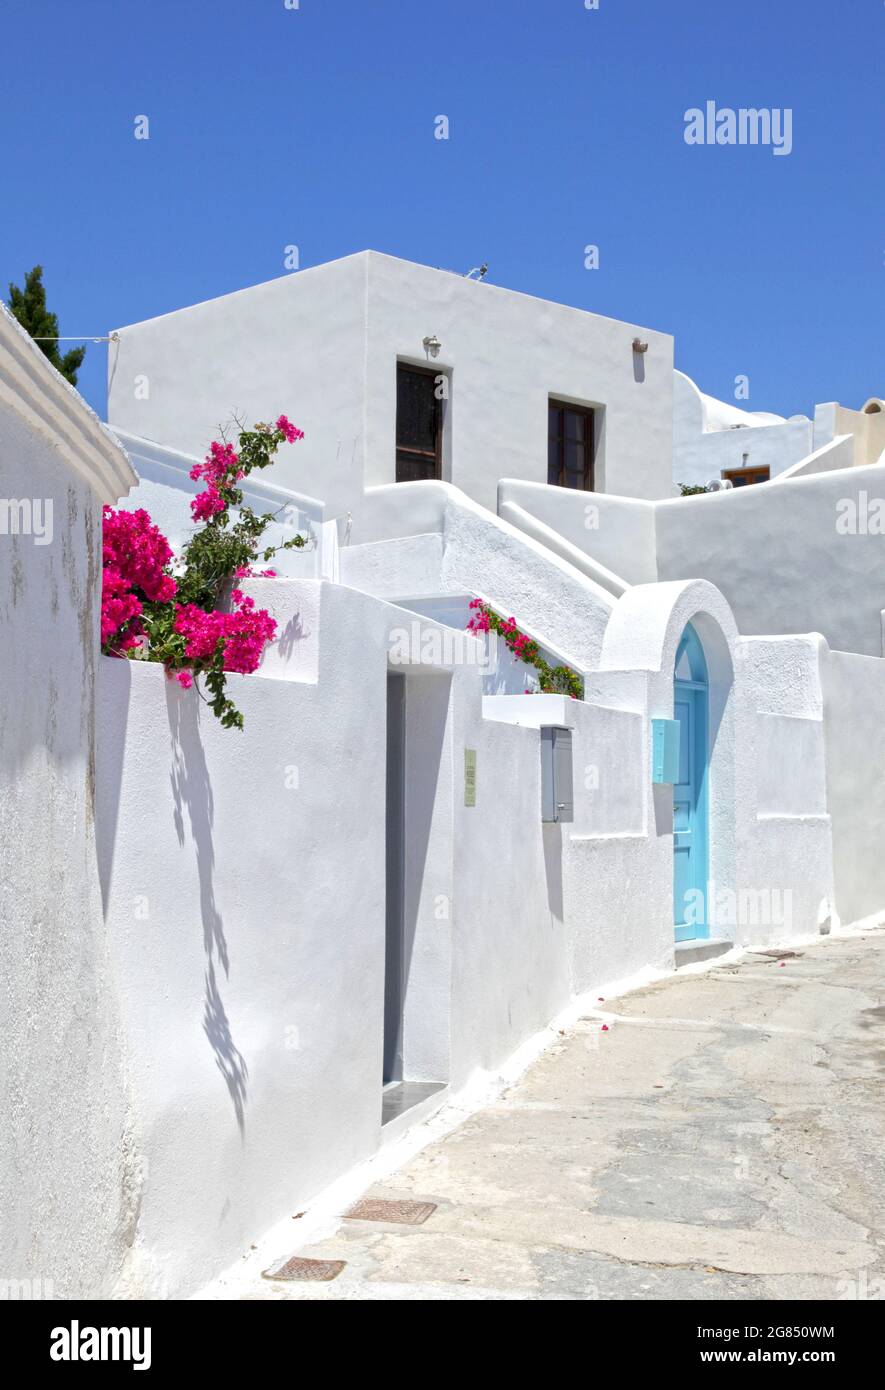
(314, 126)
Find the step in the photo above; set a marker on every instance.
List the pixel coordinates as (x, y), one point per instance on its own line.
(692, 952)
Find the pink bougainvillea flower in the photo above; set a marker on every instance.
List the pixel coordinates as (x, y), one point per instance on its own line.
(207, 504)
(479, 623)
(219, 466)
(202, 631)
(136, 548)
(135, 554)
(292, 433)
(245, 633)
(137, 585)
(248, 632)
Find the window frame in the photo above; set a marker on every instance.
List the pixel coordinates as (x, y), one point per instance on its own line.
(588, 413)
(747, 474)
(434, 456)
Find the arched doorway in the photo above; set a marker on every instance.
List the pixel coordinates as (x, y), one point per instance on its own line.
(691, 790)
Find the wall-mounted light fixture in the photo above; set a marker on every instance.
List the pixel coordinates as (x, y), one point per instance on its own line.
(639, 346)
(432, 345)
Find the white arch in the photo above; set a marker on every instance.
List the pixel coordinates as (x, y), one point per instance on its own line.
(647, 623)
(643, 634)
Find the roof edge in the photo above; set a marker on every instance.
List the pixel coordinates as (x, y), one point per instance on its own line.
(48, 404)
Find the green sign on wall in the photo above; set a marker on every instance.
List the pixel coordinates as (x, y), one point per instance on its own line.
(469, 776)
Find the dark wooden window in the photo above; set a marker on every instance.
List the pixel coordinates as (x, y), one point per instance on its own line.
(418, 425)
(741, 477)
(570, 446)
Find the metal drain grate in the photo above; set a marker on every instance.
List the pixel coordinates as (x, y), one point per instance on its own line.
(384, 1209)
(299, 1268)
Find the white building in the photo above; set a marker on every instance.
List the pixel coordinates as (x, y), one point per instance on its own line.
(405, 866)
(713, 440)
(332, 340)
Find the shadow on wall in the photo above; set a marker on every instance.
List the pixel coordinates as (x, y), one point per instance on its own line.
(114, 688)
(192, 793)
(293, 633)
(552, 835)
(428, 696)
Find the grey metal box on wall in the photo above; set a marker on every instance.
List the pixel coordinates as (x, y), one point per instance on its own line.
(557, 786)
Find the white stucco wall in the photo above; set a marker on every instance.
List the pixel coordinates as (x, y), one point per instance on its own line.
(618, 532)
(838, 453)
(506, 354)
(511, 969)
(854, 704)
(251, 980)
(68, 1172)
(775, 552)
(323, 344)
(711, 436)
(295, 344)
(795, 555)
(788, 839)
(251, 977)
(462, 548)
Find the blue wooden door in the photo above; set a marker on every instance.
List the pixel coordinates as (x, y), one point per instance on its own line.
(690, 860)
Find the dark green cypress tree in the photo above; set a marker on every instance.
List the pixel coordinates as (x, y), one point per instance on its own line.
(29, 307)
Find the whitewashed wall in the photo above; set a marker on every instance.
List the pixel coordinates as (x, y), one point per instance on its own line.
(248, 937)
(617, 532)
(506, 354)
(854, 702)
(792, 556)
(710, 436)
(776, 552)
(787, 845)
(248, 924)
(323, 344)
(68, 1173)
(295, 344)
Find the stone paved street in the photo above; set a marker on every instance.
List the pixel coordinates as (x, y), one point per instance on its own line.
(725, 1138)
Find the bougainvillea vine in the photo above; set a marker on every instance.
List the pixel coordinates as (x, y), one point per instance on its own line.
(189, 617)
(553, 680)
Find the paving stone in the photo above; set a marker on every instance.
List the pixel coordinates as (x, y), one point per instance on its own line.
(724, 1140)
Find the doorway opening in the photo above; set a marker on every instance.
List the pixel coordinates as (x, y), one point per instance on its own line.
(416, 984)
(394, 942)
(691, 791)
